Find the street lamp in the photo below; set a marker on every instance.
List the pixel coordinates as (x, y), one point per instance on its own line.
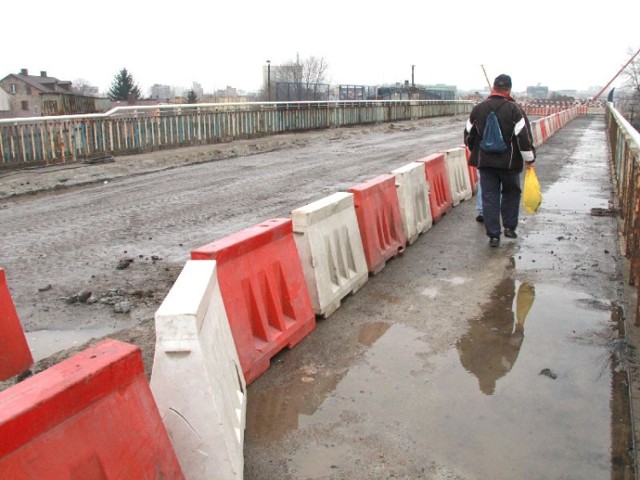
(269, 78)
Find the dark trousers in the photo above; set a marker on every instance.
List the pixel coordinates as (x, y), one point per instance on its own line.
(500, 199)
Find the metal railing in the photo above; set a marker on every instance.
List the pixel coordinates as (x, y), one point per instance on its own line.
(624, 141)
(136, 129)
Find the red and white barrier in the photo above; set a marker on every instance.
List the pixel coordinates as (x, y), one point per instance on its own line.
(458, 173)
(439, 189)
(264, 291)
(413, 196)
(91, 416)
(330, 247)
(473, 171)
(379, 220)
(197, 379)
(15, 356)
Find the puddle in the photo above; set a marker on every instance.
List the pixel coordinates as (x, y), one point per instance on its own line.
(44, 343)
(525, 393)
(491, 346)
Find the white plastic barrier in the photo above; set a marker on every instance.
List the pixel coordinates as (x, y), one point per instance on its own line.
(330, 247)
(413, 195)
(458, 172)
(537, 133)
(197, 380)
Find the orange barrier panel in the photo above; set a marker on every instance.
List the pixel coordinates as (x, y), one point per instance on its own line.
(379, 220)
(15, 356)
(473, 171)
(264, 291)
(440, 197)
(543, 130)
(91, 416)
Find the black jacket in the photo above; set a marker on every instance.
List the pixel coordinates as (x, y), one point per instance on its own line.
(516, 132)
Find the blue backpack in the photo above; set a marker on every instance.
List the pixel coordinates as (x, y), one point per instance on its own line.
(492, 140)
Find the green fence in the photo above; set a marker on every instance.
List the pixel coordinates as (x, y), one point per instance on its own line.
(126, 130)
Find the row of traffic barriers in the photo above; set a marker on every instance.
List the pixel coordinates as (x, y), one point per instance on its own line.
(237, 302)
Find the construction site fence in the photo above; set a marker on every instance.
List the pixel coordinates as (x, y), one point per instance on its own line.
(624, 142)
(138, 129)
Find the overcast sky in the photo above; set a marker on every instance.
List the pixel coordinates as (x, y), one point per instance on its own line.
(560, 44)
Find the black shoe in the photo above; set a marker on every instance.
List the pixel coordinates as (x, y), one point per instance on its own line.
(480, 218)
(494, 242)
(510, 233)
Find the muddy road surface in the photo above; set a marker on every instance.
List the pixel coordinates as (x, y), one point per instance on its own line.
(95, 248)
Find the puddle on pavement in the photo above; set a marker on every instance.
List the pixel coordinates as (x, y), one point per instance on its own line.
(525, 393)
(44, 343)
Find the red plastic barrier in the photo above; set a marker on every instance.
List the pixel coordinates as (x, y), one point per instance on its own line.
(264, 292)
(440, 198)
(473, 171)
(91, 416)
(15, 356)
(379, 220)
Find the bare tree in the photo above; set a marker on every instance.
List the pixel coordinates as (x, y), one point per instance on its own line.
(632, 73)
(629, 104)
(83, 87)
(302, 78)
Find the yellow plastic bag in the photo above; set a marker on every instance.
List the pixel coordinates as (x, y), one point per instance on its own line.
(531, 195)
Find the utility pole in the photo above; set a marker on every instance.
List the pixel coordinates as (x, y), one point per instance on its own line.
(269, 79)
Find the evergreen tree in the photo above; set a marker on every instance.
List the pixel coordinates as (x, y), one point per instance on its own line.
(192, 97)
(122, 86)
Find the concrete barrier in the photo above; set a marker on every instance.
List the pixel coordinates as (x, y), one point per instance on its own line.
(379, 221)
(15, 356)
(264, 291)
(91, 416)
(330, 247)
(197, 379)
(413, 197)
(458, 173)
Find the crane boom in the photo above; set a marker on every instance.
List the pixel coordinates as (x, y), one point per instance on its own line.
(616, 75)
(486, 77)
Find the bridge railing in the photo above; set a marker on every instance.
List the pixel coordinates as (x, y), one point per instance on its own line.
(624, 141)
(136, 129)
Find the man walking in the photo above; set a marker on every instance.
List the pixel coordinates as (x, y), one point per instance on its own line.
(500, 155)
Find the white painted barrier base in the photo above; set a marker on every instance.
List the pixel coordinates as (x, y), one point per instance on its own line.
(197, 380)
(330, 247)
(458, 172)
(413, 195)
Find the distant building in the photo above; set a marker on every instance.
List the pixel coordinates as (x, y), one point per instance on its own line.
(419, 92)
(538, 92)
(4, 101)
(567, 93)
(164, 93)
(33, 95)
(197, 89)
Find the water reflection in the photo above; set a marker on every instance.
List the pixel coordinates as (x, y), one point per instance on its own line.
(491, 346)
